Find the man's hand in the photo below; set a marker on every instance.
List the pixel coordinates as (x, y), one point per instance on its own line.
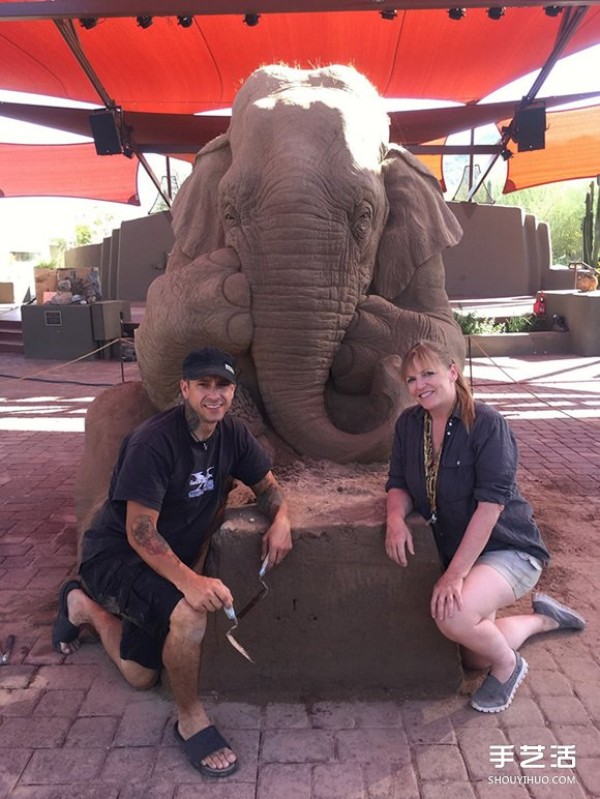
(206, 594)
(203, 593)
(398, 540)
(277, 541)
(446, 598)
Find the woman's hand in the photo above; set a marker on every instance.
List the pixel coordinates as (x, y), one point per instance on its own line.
(398, 539)
(446, 598)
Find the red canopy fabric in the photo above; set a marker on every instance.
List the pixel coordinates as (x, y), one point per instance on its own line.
(572, 151)
(66, 170)
(170, 69)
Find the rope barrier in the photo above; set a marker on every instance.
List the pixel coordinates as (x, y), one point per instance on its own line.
(62, 364)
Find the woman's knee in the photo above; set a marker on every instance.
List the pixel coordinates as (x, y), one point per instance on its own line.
(457, 627)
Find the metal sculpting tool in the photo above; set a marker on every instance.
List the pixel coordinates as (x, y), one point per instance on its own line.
(231, 614)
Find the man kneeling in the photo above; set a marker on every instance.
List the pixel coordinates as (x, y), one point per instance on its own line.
(138, 589)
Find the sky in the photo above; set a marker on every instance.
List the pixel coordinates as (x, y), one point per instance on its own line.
(34, 219)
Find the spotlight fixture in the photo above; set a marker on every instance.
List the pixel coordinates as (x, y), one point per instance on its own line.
(144, 22)
(552, 11)
(457, 13)
(185, 22)
(496, 12)
(389, 13)
(251, 19)
(88, 23)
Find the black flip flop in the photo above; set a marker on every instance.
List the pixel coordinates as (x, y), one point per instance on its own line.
(64, 631)
(203, 744)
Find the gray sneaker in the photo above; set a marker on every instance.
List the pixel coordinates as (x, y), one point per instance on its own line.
(492, 696)
(567, 619)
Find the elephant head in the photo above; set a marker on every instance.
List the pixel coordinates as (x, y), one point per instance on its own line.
(315, 212)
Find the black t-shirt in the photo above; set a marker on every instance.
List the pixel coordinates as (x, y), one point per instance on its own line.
(476, 465)
(163, 468)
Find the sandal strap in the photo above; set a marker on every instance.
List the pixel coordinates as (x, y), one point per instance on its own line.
(202, 744)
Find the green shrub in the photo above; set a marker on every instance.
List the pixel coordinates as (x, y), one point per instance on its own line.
(519, 324)
(472, 325)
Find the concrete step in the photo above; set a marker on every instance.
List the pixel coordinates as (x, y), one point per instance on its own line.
(11, 335)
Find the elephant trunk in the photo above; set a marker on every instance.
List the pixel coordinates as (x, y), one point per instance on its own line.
(300, 318)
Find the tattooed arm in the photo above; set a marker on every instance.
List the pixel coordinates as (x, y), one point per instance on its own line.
(277, 541)
(202, 593)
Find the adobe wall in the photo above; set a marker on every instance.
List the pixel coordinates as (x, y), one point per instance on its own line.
(504, 252)
(582, 313)
(144, 245)
(340, 618)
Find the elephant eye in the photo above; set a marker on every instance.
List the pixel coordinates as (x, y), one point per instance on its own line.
(230, 216)
(362, 220)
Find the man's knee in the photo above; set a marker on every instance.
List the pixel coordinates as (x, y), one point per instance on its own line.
(138, 677)
(186, 621)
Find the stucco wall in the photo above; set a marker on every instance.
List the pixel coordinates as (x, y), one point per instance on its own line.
(582, 313)
(504, 252)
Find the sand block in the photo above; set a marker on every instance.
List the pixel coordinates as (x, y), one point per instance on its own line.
(340, 618)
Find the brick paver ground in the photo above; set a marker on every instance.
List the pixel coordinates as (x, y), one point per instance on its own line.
(71, 728)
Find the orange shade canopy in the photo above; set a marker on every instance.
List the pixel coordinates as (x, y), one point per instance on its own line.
(572, 151)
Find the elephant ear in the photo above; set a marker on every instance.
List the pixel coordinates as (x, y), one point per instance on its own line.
(419, 223)
(196, 221)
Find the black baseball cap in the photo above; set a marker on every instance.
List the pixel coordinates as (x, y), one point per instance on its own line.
(209, 362)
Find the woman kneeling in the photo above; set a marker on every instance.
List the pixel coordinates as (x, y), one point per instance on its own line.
(454, 461)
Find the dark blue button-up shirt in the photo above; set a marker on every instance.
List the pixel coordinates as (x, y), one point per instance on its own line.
(478, 465)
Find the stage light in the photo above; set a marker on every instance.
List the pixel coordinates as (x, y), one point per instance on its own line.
(88, 23)
(390, 13)
(251, 19)
(185, 22)
(456, 13)
(552, 11)
(144, 22)
(496, 12)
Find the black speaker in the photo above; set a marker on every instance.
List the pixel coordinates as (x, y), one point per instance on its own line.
(105, 131)
(530, 128)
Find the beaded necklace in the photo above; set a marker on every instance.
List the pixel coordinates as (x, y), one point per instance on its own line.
(432, 467)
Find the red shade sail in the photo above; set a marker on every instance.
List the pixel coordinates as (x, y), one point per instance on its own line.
(66, 170)
(170, 69)
(173, 72)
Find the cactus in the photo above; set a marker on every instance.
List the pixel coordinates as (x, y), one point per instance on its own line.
(590, 227)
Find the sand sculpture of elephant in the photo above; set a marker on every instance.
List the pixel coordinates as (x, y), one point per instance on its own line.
(311, 248)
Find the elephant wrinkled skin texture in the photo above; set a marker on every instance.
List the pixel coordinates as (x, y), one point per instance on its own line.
(310, 247)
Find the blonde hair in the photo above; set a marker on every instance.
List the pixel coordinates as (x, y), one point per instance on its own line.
(430, 353)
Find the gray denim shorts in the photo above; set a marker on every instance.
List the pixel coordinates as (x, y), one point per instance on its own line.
(519, 569)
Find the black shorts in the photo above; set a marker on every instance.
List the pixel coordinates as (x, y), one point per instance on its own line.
(130, 589)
